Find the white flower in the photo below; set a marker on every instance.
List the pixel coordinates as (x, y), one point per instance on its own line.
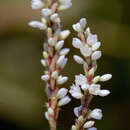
(94, 89)
(103, 93)
(64, 34)
(64, 51)
(96, 46)
(80, 79)
(62, 80)
(46, 115)
(77, 110)
(65, 4)
(77, 27)
(64, 63)
(76, 92)
(43, 62)
(78, 59)
(105, 77)
(92, 39)
(36, 24)
(96, 114)
(92, 128)
(52, 41)
(85, 87)
(45, 77)
(83, 22)
(77, 43)
(46, 12)
(55, 18)
(54, 74)
(36, 4)
(89, 124)
(62, 92)
(60, 60)
(59, 45)
(96, 55)
(86, 50)
(63, 101)
(50, 111)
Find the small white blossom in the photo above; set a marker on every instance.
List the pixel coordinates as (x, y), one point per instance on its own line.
(63, 101)
(96, 114)
(52, 41)
(36, 4)
(103, 93)
(77, 43)
(86, 50)
(59, 45)
(64, 34)
(77, 27)
(92, 39)
(62, 80)
(89, 124)
(76, 110)
(46, 115)
(43, 62)
(54, 74)
(80, 79)
(105, 77)
(96, 55)
(62, 92)
(64, 63)
(94, 89)
(92, 128)
(60, 60)
(46, 12)
(36, 24)
(55, 18)
(96, 46)
(83, 22)
(50, 111)
(76, 92)
(78, 59)
(45, 77)
(64, 51)
(85, 87)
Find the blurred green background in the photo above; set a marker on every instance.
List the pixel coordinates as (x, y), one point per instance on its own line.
(22, 95)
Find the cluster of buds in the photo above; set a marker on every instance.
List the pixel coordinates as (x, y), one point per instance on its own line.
(86, 86)
(54, 55)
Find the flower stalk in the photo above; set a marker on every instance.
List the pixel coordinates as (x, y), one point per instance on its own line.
(54, 57)
(86, 86)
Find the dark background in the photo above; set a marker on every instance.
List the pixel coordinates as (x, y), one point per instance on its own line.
(22, 95)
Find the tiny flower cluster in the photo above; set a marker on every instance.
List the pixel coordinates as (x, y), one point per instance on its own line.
(86, 86)
(54, 55)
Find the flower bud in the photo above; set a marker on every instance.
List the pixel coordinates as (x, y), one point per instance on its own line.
(105, 77)
(64, 34)
(103, 93)
(89, 124)
(96, 79)
(59, 45)
(96, 55)
(78, 59)
(61, 80)
(43, 62)
(74, 127)
(63, 101)
(45, 77)
(62, 92)
(37, 4)
(46, 12)
(60, 61)
(77, 43)
(50, 111)
(96, 46)
(64, 51)
(54, 74)
(45, 54)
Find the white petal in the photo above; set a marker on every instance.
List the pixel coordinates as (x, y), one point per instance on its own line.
(105, 77)
(64, 34)
(45, 77)
(86, 51)
(92, 39)
(55, 18)
(46, 12)
(36, 4)
(78, 59)
(89, 124)
(64, 63)
(77, 43)
(80, 79)
(92, 128)
(59, 45)
(83, 22)
(85, 87)
(94, 89)
(103, 93)
(62, 92)
(46, 115)
(63, 101)
(62, 80)
(96, 46)
(60, 60)
(76, 110)
(54, 74)
(96, 55)
(77, 27)
(64, 51)
(36, 24)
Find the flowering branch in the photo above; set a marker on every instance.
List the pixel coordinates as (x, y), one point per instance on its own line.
(86, 86)
(53, 55)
